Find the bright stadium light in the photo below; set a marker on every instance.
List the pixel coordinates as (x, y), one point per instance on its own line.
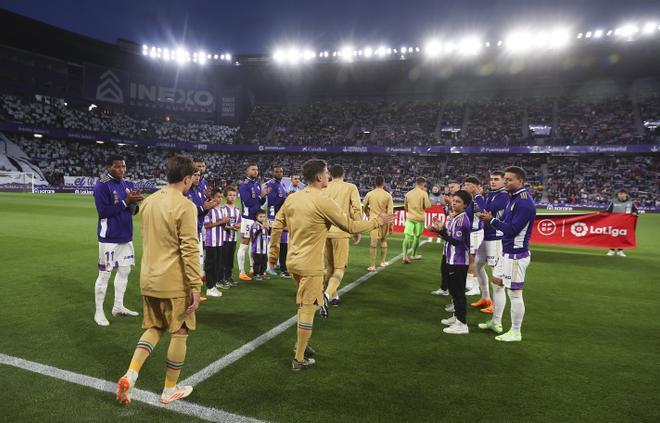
(432, 48)
(580, 35)
(99, 142)
(368, 52)
(609, 33)
(649, 28)
(518, 42)
(588, 34)
(469, 46)
(308, 55)
(560, 38)
(215, 57)
(228, 57)
(626, 31)
(201, 57)
(222, 57)
(598, 33)
(38, 135)
(346, 53)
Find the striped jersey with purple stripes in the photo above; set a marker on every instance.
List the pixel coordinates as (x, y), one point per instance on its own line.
(214, 234)
(259, 239)
(234, 215)
(458, 228)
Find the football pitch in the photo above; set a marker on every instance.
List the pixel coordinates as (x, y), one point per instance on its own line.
(590, 349)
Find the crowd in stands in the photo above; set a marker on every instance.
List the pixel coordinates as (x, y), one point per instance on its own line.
(494, 122)
(56, 113)
(569, 179)
(609, 120)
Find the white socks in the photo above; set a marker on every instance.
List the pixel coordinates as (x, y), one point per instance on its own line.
(499, 302)
(482, 276)
(100, 287)
(517, 310)
(242, 250)
(251, 260)
(121, 281)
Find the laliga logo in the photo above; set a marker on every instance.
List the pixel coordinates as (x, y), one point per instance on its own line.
(108, 90)
(547, 227)
(580, 229)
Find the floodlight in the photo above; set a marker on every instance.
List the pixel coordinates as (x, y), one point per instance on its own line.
(215, 57)
(518, 42)
(368, 52)
(469, 46)
(228, 57)
(610, 32)
(222, 57)
(598, 33)
(432, 48)
(559, 38)
(588, 34)
(580, 35)
(649, 28)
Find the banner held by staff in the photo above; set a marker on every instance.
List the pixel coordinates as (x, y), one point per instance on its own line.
(598, 230)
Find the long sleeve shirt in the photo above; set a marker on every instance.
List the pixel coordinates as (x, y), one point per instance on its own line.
(115, 223)
(496, 202)
(378, 201)
(250, 194)
(626, 207)
(197, 196)
(517, 223)
(347, 196)
(416, 201)
(170, 247)
(456, 234)
(478, 204)
(275, 197)
(308, 216)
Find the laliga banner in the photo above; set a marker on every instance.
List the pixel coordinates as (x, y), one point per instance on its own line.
(599, 230)
(434, 212)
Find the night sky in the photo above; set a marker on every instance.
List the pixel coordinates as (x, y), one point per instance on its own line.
(259, 26)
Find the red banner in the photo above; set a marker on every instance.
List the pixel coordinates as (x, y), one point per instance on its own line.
(600, 230)
(434, 212)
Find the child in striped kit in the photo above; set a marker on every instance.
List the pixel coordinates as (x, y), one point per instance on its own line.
(213, 246)
(456, 234)
(232, 216)
(260, 238)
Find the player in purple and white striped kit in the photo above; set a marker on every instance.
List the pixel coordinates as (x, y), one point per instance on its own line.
(116, 203)
(516, 224)
(456, 234)
(260, 239)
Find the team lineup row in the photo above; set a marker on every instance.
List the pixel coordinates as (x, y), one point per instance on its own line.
(309, 230)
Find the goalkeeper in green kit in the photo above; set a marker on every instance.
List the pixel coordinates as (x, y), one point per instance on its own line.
(417, 200)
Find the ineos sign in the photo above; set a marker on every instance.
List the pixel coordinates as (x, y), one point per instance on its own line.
(143, 92)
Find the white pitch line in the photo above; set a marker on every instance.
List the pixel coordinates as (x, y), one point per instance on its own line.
(182, 407)
(244, 350)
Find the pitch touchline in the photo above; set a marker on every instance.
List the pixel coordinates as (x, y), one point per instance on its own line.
(244, 350)
(182, 407)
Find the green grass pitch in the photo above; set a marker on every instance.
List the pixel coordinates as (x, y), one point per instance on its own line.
(590, 349)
